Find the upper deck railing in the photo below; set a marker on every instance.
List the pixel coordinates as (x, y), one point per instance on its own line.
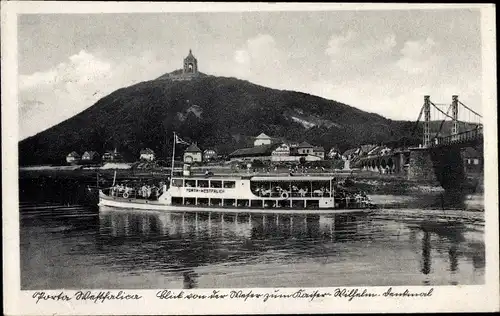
(458, 138)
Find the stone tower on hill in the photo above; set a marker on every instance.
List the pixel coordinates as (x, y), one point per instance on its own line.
(190, 64)
(189, 70)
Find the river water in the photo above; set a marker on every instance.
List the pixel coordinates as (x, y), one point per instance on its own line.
(71, 245)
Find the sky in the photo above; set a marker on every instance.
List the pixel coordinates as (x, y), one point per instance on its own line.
(377, 61)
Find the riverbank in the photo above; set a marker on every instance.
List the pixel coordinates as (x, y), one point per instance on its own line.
(371, 182)
(386, 191)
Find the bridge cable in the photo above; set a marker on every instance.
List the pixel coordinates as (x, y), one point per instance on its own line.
(442, 122)
(418, 120)
(465, 106)
(441, 111)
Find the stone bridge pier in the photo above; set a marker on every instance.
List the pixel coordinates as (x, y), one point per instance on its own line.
(438, 165)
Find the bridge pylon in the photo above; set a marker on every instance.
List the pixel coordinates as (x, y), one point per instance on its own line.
(454, 115)
(427, 121)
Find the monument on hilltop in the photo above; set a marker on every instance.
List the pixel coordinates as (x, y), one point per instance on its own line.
(189, 70)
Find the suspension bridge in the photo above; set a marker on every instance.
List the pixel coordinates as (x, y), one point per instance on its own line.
(466, 124)
(446, 129)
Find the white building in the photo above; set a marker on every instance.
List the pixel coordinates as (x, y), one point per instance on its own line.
(147, 154)
(334, 153)
(73, 157)
(193, 154)
(319, 152)
(90, 156)
(209, 154)
(281, 153)
(262, 139)
(304, 148)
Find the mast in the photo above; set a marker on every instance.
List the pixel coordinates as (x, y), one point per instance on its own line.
(331, 191)
(172, 166)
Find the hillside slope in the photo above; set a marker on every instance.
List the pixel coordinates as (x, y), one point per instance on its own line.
(214, 111)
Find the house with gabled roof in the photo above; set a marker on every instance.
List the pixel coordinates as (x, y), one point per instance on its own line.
(73, 157)
(318, 151)
(365, 149)
(193, 154)
(90, 156)
(262, 139)
(111, 155)
(379, 151)
(147, 154)
(303, 148)
(334, 153)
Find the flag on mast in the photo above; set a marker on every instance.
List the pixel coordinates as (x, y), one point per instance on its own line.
(178, 140)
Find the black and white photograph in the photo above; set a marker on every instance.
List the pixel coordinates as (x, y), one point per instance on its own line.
(285, 154)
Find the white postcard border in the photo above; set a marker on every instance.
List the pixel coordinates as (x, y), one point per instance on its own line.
(444, 298)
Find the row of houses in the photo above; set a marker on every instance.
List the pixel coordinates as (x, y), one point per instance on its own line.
(267, 148)
(88, 156)
(108, 156)
(365, 150)
(191, 154)
(194, 154)
(275, 149)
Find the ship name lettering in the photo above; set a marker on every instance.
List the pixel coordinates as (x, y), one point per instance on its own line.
(205, 190)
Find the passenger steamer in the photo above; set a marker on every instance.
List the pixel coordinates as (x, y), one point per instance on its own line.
(311, 194)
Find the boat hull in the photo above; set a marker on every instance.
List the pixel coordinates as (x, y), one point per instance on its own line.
(156, 206)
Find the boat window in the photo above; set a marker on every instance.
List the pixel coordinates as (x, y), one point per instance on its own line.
(203, 183)
(243, 203)
(229, 184)
(203, 201)
(190, 183)
(216, 202)
(176, 200)
(177, 182)
(215, 184)
(256, 203)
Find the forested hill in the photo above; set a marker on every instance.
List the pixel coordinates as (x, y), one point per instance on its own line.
(216, 112)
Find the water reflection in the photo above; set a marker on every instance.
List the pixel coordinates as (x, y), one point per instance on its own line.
(426, 253)
(452, 243)
(431, 200)
(66, 245)
(133, 249)
(203, 225)
(183, 241)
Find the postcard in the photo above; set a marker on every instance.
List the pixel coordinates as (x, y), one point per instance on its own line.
(237, 158)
